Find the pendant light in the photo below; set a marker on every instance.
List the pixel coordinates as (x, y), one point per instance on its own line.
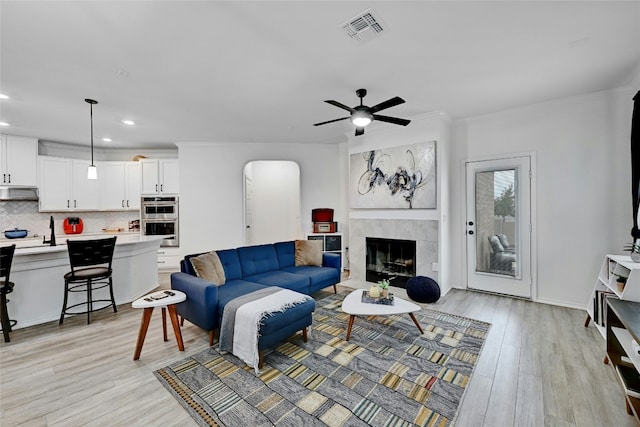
(92, 172)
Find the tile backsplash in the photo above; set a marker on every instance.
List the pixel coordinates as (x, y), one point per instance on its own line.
(25, 215)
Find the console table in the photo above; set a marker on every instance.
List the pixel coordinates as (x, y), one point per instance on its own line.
(623, 327)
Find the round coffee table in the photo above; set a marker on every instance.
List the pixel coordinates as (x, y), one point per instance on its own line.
(354, 306)
(167, 299)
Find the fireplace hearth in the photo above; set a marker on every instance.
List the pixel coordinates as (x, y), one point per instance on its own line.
(390, 259)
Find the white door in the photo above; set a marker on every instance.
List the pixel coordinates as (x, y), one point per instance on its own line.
(272, 196)
(498, 226)
(248, 210)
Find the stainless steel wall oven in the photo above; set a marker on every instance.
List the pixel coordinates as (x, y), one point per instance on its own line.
(159, 217)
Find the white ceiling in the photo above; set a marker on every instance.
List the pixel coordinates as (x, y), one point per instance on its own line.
(212, 71)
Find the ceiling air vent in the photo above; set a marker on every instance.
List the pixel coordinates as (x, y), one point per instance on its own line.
(362, 27)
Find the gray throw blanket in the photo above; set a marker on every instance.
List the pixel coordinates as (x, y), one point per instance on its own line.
(243, 317)
(229, 316)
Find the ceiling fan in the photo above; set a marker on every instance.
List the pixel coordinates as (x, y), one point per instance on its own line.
(362, 115)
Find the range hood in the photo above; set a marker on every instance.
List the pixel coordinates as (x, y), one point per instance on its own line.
(18, 193)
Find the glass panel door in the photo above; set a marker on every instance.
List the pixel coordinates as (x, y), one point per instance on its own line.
(498, 226)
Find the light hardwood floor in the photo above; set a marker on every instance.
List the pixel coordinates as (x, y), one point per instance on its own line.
(539, 367)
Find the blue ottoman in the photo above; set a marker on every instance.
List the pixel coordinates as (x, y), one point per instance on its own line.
(423, 289)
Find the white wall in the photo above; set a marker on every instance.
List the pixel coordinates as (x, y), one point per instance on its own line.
(211, 181)
(583, 198)
(428, 127)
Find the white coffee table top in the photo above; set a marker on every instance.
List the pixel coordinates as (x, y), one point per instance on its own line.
(353, 304)
(159, 299)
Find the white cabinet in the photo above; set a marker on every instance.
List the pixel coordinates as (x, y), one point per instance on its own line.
(119, 185)
(18, 160)
(160, 176)
(613, 268)
(331, 242)
(63, 185)
(169, 258)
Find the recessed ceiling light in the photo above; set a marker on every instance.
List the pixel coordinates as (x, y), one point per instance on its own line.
(4, 124)
(3, 96)
(106, 139)
(129, 122)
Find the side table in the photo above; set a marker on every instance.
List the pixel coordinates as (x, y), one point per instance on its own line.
(166, 299)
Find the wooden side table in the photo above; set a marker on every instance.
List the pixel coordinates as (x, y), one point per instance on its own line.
(166, 299)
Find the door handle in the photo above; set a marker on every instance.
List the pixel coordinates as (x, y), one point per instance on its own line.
(470, 222)
(9, 178)
(470, 231)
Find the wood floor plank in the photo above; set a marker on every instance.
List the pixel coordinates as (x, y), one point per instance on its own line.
(529, 401)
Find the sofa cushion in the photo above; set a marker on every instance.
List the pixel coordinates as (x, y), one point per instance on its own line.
(286, 252)
(231, 264)
(308, 252)
(258, 259)
(208, 267)
(282, 279)
(319, 277)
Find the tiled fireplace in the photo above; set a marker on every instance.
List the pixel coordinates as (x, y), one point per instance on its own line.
(392, 259)
(423, 232)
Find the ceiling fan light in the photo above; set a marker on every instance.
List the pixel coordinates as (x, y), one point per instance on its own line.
(361, 118)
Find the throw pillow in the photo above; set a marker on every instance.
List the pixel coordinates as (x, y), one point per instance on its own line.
(496, 246)
(208, 267)
(503, 240)
(309, 252)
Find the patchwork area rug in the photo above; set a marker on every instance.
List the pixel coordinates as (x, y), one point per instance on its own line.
(387, 374)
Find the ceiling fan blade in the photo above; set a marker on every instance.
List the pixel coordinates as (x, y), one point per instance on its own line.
(387, 104)
(339, 105)
(359, 131)
(394, 120)
(330, 121)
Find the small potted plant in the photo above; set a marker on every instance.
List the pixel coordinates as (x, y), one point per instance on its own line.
(621, 281)
(384, 287)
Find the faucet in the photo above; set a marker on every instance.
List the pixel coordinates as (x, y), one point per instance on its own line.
(52, 239)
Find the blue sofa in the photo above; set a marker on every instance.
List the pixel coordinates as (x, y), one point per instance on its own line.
(248, 269)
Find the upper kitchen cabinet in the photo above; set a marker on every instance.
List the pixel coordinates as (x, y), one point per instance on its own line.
(160, 176)
(18, 160)
(120, 185)
(64, 186)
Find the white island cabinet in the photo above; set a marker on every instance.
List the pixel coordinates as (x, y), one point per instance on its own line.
(38, 273)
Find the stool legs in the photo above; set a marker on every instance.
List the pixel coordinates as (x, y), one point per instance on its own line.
(89, 291)
(176, 326)
(89, 301)
(4, 317)
(64, 303)
(113, 300)
(142, 333)
(144, 326)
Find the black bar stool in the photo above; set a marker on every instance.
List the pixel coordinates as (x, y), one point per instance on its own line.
(6, 287)
(95, 258)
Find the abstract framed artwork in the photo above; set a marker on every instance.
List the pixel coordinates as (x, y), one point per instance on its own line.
(394, 178)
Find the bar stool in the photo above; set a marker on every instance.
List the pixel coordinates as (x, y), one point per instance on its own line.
(95, 258)
(6, 287)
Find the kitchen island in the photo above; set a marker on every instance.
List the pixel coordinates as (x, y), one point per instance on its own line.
(38, 273)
